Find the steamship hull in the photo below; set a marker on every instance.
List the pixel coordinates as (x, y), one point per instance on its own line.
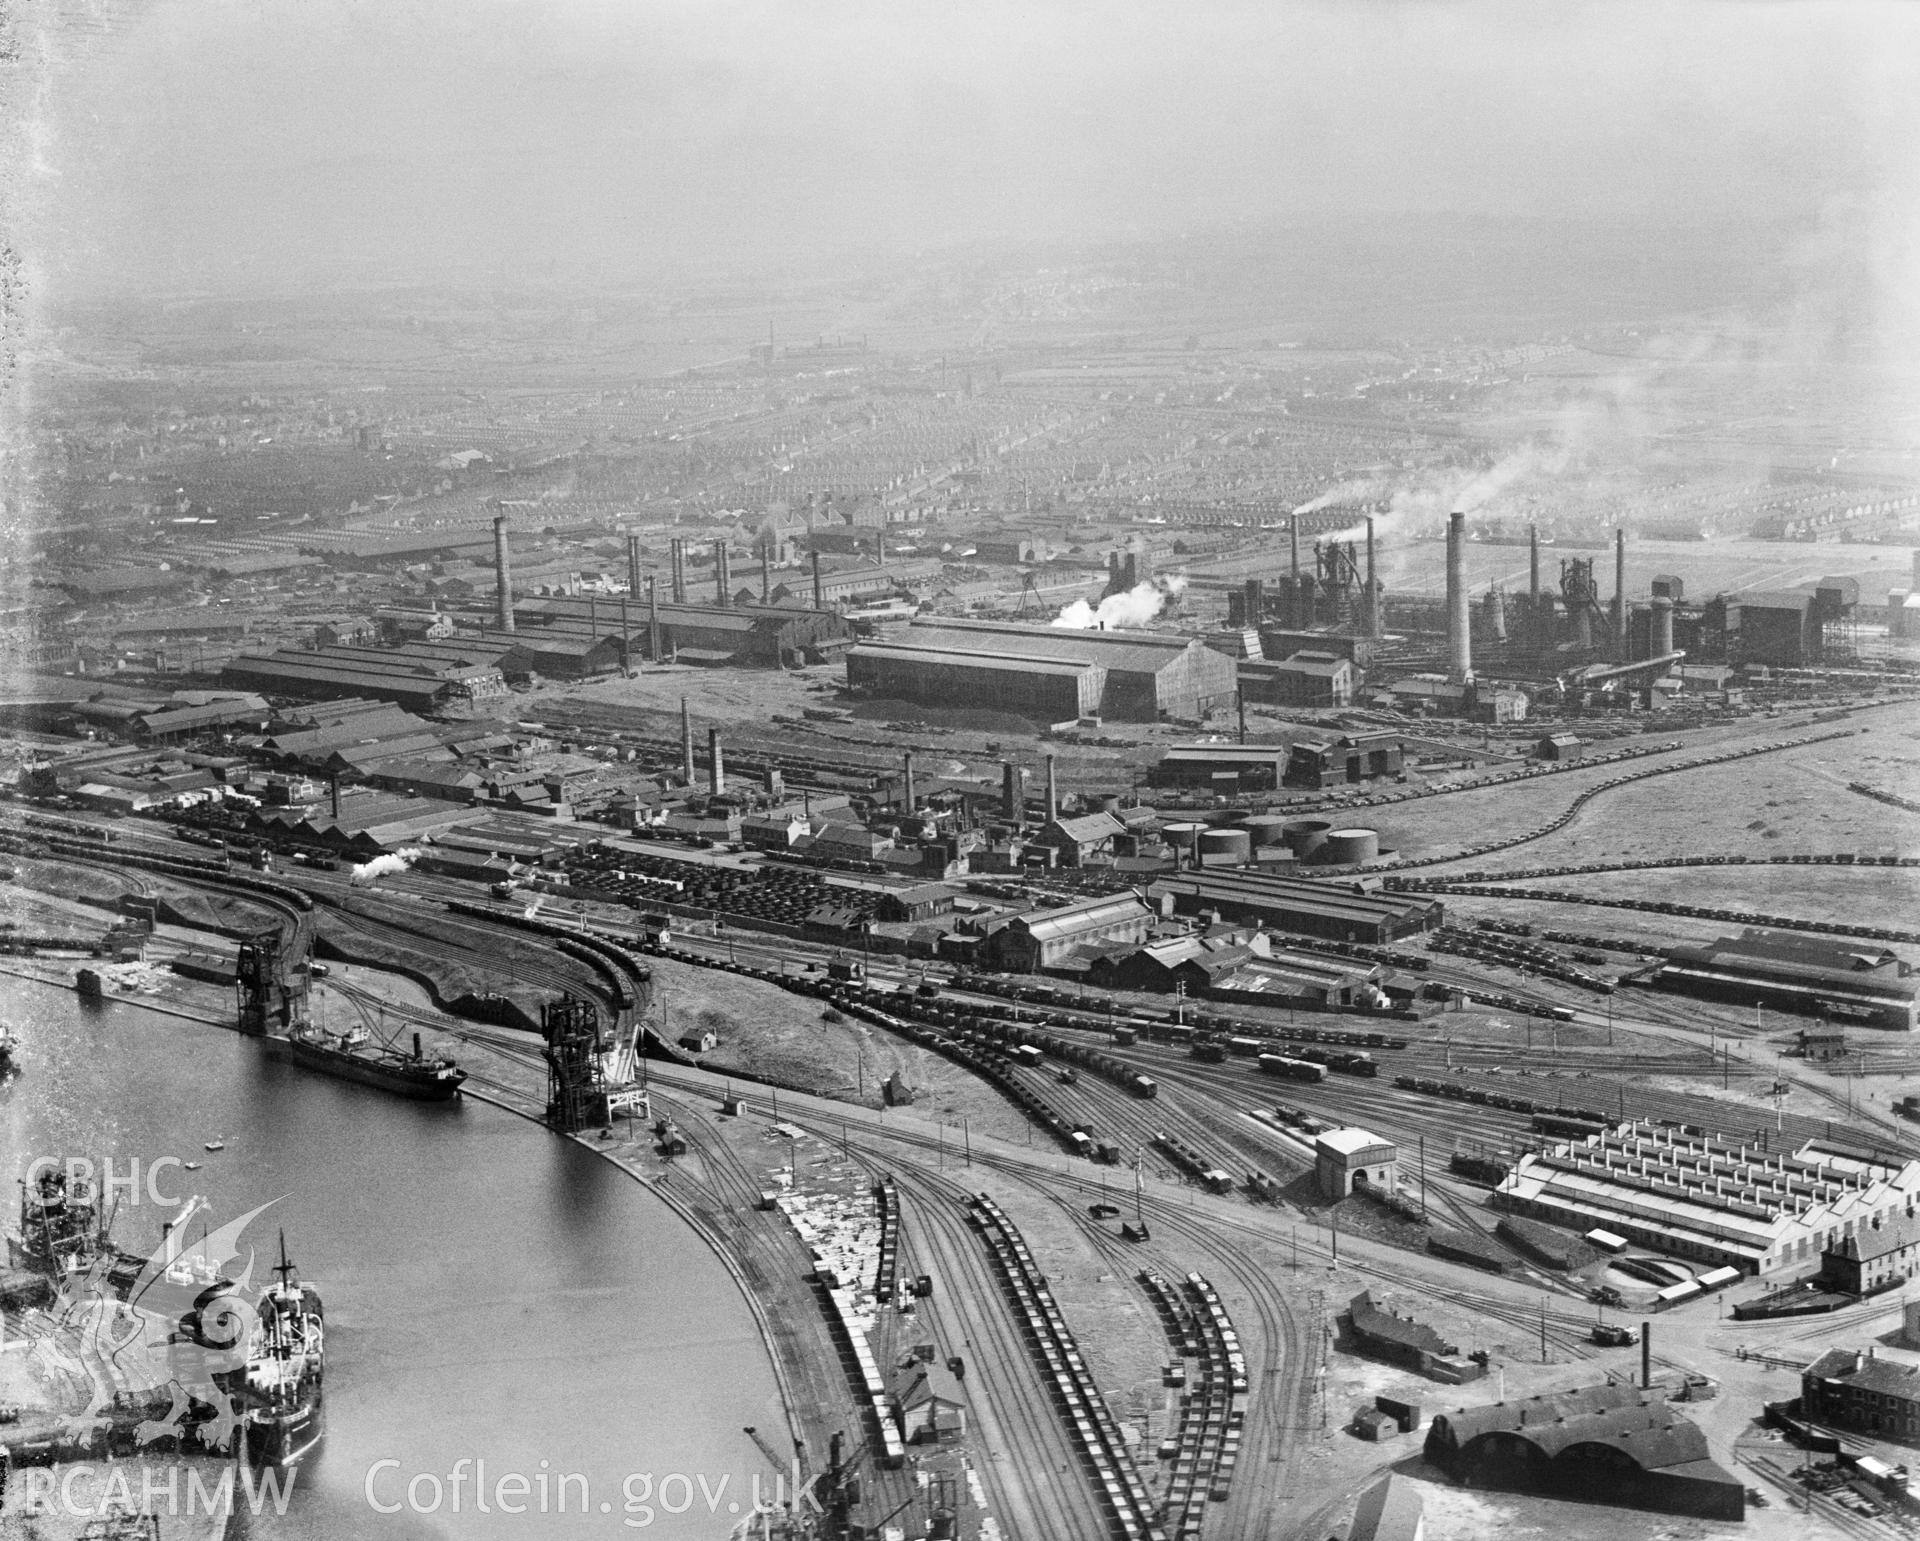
(402, 1077)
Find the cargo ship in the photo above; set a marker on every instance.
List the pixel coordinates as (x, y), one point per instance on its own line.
(354, 1056)
(286, 1370)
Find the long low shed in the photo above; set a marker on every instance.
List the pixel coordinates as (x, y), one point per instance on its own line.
(1341, 911)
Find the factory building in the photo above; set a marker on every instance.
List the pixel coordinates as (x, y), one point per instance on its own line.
(1845, 981)
(1345, 761)
(1226, 768)
(1778, 629)
(1045, 689)
(754, 635)
(1132, 676)
(1043, 939)
(1346, 912)
(1848, 1389)
(314, 676)
(1611, 1444)
(1080, 841)
(1305, 679)
(1711, 1201)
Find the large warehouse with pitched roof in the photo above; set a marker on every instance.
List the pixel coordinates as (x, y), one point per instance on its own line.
(1051, 672)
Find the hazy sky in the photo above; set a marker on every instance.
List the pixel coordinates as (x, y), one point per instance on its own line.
(248, 143)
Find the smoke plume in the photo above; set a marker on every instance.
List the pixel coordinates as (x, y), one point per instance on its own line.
(1120, 612)
(384, 866)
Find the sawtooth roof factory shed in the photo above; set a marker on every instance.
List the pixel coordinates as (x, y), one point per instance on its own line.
(1709, 1200)
(764, 636)
(1845, 981)
(1052, 672)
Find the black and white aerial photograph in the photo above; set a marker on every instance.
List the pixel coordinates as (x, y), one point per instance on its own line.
(960, 770)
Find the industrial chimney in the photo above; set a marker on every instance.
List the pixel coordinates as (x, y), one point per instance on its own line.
(911, 801)
(766, 571)
(653, 619)
(1533, 566)
(633, 565)
(679, 564)
(686, 743)
(1620, 593)
(1662, 626)
(818, 603)
(1053, 792)
(1012, 804)
(722, 575)
(1374, 626)
(503, 570)
(1459, 612)
(716, 768)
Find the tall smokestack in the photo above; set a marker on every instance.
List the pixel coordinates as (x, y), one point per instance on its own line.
(653, 619)
(1293, 542)
(766, 571)
(503, 573)
(333, 797)
(1646, 1355)
(818, 603)
(1373, 587)
(626, 639)
(1533, 565)
(911, 800)
(679, 571)
(1010, 799)
(722, 574)
(1662, 626)
(716, 765)
(1053, 792)
(633, 565)
(593, 618)
(1459, 612)
(686, 743)
(1497, 614)
(1620, 592)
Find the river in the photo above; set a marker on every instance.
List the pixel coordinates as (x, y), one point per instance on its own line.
(492, 1293)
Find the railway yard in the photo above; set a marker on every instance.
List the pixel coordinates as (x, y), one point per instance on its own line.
(1106, 1232)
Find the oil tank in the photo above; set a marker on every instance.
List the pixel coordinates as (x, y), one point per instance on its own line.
(1304, 837)
(1223, 847)
(1183, 836)
(1267, 829)
(1344, 847)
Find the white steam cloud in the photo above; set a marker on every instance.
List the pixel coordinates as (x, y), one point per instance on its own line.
(384, 866)
(1119, 612)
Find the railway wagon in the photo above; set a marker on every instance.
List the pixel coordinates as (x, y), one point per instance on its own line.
(1292, 1069)
(1209, 1053)
(1143, 1086)
(1246, 1048)
(1026, 1054)
(1567, 1128)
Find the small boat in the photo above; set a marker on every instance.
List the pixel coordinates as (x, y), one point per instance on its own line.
(190, 1166)
(216, 1144)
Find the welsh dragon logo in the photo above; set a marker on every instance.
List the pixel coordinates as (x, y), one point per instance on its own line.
(171, 1342)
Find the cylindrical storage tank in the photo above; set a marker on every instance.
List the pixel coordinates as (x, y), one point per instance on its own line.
(1183, 836)
(1223, 818)
(1344, 847)
(1110, 804)
(1267, 829)
(1225, 847)
(1303, 837)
